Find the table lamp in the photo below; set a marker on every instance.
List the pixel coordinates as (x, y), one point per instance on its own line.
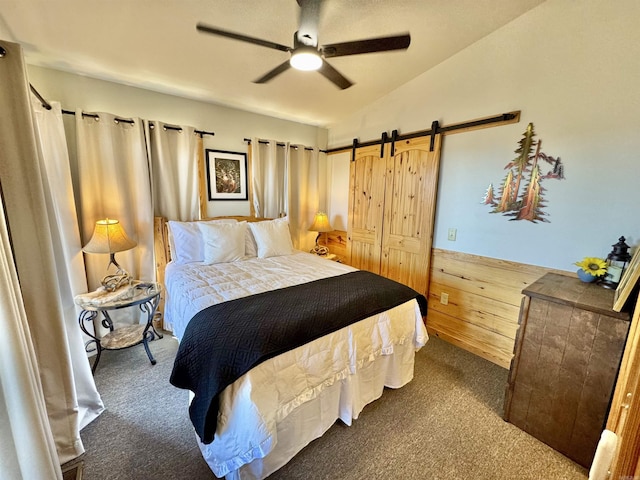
(109, 237)
(320, 224)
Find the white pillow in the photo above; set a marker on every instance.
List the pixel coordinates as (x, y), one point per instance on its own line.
(185, 240)
(272, 237)
(250, 247)
(223, 242)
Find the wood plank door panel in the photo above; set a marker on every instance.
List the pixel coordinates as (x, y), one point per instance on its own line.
(409, 210)
(624, 415)
(366, 202)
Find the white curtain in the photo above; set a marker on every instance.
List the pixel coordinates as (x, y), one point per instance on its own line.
(114, 182)
(27, 449)
(63, 223)
(174, 170)
(304, 195)
(35, 372)
(269, 177)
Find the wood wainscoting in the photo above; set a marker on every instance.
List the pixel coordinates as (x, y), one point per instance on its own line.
(336, 241)
(484, 296)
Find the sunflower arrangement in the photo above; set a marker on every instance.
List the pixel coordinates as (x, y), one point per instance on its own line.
(593, 266)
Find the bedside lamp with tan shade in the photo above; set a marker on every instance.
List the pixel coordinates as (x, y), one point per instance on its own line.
(109, 237)
(321, 225)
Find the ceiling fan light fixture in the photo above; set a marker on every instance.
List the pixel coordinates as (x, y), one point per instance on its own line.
(306, 58)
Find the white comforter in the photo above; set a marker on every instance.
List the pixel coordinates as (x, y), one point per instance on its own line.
(253, 408)
(194, 286)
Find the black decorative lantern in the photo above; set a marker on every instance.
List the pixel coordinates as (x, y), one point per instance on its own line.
(617, 262)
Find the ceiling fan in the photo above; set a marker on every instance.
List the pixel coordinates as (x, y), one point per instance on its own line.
(306, 54)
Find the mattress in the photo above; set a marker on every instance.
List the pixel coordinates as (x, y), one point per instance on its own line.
(278, 407)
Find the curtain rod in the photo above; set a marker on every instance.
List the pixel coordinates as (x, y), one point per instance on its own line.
(510, 117)
(166, 126)
(44, 103)
(96, 116)
(279, 144)
(47, 105)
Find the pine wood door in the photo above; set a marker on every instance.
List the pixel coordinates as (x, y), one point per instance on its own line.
(624, 415)
(409, 209)
(366, 207)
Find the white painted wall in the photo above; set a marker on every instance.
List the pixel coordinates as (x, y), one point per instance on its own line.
(231, 126)
(573, 69)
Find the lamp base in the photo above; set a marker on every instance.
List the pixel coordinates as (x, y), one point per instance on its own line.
(319, 250)
(608, 284)
(116, 280)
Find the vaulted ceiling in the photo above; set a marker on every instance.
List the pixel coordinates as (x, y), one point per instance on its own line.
(154, 44)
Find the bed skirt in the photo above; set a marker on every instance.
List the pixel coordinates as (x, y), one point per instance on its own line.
(362, 360)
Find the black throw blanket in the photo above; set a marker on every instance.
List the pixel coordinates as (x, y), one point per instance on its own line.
(224, 341)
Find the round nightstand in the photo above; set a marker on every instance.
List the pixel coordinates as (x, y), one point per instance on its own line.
(145, 295)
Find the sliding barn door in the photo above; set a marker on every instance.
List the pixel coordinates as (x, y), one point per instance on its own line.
(409, 209)
(366, 208)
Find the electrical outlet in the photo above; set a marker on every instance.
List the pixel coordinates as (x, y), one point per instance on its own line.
(452, 235)
(444, 298)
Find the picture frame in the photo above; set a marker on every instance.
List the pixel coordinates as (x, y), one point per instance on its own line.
(226, 175)
(628, 281)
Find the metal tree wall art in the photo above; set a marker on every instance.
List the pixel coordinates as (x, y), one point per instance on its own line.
(525, 171)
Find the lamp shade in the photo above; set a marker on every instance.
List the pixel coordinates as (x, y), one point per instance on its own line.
(320, 223)
(108, 237)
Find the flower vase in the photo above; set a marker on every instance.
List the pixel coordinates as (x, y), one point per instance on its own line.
(586, 276)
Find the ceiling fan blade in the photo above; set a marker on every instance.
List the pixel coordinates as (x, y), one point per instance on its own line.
(276, 71)
(371, 45)
(336, 77)
(307, 33)
(201, 27)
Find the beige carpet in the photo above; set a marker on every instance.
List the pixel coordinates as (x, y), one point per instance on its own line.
(446, 424)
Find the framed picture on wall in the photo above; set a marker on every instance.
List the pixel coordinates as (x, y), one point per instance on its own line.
(226, 175)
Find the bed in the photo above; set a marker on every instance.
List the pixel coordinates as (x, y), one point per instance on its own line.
(291, 396)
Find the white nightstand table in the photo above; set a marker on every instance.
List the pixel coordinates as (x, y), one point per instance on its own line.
(146, 296)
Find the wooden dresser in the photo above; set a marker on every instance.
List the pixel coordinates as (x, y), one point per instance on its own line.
(566, 358)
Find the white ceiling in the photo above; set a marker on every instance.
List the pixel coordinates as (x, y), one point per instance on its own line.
(154, 44)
